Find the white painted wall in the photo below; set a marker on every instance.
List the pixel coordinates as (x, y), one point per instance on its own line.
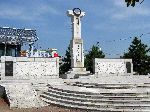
(32, 68)
(111, 66)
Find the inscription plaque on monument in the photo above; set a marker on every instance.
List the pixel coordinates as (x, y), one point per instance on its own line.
(128, 67)
(8, 68)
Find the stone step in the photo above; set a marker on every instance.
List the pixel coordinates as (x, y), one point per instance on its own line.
(104, 86)
(126, 94)
(133, 110)
(40, 85)
(97, 100)
(136, 105)
(133, 100)
(133, 107)
(74, 102)
(70, 91)
(113, 84)
(74, 94)
(143, 86)
(93, 109)
(70, 105)
(115, 93)
(98, 96)
(41, 88)
(103, 106)
(110, 86)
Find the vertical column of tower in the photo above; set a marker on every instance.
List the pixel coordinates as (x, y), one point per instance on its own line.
(76, 44)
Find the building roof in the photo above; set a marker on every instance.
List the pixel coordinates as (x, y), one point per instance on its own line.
(17, 36)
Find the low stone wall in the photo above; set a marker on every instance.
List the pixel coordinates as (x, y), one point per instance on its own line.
(113, 66)
(22, 95)
(31, 68)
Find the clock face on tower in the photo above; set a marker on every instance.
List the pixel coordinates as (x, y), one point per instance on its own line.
(77, 12)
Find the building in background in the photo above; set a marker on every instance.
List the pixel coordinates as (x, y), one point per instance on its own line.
(12, 39)
(8, 49)
(40, 53)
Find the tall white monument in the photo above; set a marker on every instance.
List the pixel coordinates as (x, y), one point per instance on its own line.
(76, 44)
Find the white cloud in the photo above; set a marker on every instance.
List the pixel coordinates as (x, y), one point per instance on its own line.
(122, 12)
(119, 3)
(121, 27)
(45, 9)
(130, 12)
(24, 13)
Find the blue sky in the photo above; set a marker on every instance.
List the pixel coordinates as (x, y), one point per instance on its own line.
(108, 22)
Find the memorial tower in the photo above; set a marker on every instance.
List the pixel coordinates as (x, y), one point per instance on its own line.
(76, 43)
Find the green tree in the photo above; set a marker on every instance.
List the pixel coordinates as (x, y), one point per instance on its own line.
(132, 2)
(95, 52)
(139, 54)
(66, 62)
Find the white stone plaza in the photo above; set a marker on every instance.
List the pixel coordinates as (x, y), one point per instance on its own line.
(34, 82)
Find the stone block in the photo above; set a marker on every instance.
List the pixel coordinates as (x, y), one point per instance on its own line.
(2, 59)
(54, 59)
(26, 68)
(22, 95)
(50, 59)
(6, 58)
(39, 59)
(112, 66)
(21, 59)
(31, 59)
(78, 69)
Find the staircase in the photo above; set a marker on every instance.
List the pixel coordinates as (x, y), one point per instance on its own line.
(100, 97)
(40, 87)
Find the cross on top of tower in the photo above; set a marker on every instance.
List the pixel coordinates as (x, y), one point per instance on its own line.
(76, 12)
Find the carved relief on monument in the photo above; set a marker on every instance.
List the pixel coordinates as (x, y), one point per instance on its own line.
(78, 53)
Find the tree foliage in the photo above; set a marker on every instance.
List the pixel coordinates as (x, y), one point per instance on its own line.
(131, 2)
(66, 62)
(139, 54)
(95, 52)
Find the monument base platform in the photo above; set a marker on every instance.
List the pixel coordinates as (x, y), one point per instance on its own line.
(76, 73)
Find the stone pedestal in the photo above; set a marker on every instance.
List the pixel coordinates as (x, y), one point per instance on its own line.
(76, 73)
(76, 52)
